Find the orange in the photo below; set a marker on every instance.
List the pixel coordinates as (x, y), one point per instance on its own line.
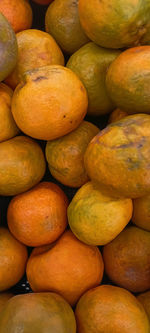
(37, 313)
(109, 309)
(35, 49)
(67, 267)
(13, 258)
(141, 212)
(127, 259)
(96, 219)
(116, 115)
(4, 297)
(18, 13)
(118, 157)
(50, 102)
(39, 216)
(65, 155)
(8, 127)
(144, 298)
(62, 22)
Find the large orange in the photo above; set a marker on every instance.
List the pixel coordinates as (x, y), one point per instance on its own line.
(50, 102)
(67, 267)
(144, 298)
(109, 309)
(127, 259)
(65, 155)
(18, 13)
(118, 157)
(95, 218)
(13, 258)
(39, 216)
(141, 212)
(37, 313)
(35, 49)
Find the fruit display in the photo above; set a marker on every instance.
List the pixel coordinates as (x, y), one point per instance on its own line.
(74, 166)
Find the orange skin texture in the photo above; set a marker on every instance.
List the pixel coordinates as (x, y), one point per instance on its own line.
(13, 259)
(35, 49)
(97, 219)
(112, 309)
(128, 80)
(116, 115)
(141, 212)
(61, 107)
(144, 298)
(18, 13)
(4, 297)
(67, 267)
(8, 127)
(127, 259)
(37, 313)
(22, 165)
(39, 216)
(118, 157)
(65, 155)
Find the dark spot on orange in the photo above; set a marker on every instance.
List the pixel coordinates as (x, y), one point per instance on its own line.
(81, 87)
(39, 78)
(64, 116)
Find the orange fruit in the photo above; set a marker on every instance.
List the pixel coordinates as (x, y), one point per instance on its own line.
(116, 115)
(118, 157)
(65, 155)
(141, 212)
(62, 22)
(96, 219)
(35, 49)
(4, 297)
(37, 313)
(67, 267)
(39, 216)
(144, 298)
(22, 165)
(59, 110)
(127, 259)
(8, 127)
(18, 13)
(13, 258)
(112, 309)
(128, 80)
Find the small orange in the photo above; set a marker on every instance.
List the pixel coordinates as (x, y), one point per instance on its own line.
(68, 267)
(39, 216)
(13, 258)
(116, 115)
(144, 298)
(141, 212)
(18, 13)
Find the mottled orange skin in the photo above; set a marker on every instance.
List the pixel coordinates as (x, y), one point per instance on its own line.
(118, 157)
(18, 13)
(116, 115)
(38, 216)
(127, 259)
(141, 212)
(13, 259)
(67, 267)
(144, 298)
(65, 155)
(112, 309)
(4, 297)
(49, 103)
(37, 313)
(35, 49)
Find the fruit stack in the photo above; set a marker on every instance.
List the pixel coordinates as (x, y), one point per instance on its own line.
(75, 166)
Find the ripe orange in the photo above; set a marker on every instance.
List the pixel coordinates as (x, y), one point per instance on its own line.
(141, 212)
(144, 298)
(116, 115)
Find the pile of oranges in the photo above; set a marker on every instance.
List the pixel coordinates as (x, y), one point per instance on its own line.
(75, 166)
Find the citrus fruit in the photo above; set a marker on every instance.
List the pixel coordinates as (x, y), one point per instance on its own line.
(8, 127)
(4, 297)
(35, 49)
(8, 48)
(128, 80)
(96, 219)
(91, 63)
(141, 212)
(116, 115)
(18, 13)
(118, 157)
(65, 155)
(13, 258)
(22, 165)
(112, 309)
(37, 313)
(67, 267)
(62, 22)
(59, 110)
(144, 298)
(38, 216)
(127, 259)
(116, 23)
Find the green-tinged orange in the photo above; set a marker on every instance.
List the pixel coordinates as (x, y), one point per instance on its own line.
(141, 212)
